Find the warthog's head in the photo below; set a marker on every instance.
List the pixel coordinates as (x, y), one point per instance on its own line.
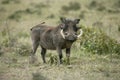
(69, 29)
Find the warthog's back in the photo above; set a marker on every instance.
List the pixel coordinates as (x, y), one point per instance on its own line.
(44, 34)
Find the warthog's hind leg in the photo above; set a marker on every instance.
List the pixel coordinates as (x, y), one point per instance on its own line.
(43, 52)
(35, 45)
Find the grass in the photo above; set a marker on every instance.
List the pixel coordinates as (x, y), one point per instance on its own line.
(83, 66)
(21, 15)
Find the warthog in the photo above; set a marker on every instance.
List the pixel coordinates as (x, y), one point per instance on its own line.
(55, 38)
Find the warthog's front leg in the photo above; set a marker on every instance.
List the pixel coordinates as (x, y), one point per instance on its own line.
(68, 55)
(59, 50)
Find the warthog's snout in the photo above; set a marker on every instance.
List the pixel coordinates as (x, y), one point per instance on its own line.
(71, 36)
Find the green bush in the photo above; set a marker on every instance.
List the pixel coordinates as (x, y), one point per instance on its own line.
(101, 8)
(93, 4)
(17, 15)
(97, 6)
(117, 4)
(119, 28)
(95, 41)
(51, 16)
(40, 5)
(22, 34)
(53, 59)
(82, 15)
(72, 6)
(1, 51)
(113, 10)
(23, 49)
(10, 1)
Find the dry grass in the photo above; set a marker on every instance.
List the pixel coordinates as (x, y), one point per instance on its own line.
(83, 66)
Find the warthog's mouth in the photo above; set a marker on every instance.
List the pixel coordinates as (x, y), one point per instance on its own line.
(81, 32)
(71, 40)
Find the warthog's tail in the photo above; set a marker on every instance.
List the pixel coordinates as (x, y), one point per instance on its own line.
(40, 23)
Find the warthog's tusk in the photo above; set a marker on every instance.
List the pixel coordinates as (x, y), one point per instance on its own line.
(81, 32)
(61, 32)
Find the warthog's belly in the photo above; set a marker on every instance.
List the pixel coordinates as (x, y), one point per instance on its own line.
(47, 44)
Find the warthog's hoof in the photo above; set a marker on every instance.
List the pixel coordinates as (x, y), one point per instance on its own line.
(32, 59)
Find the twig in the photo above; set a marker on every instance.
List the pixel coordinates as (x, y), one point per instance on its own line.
(8, 33)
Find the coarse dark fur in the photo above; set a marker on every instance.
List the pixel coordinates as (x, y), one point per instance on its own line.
(49, 37)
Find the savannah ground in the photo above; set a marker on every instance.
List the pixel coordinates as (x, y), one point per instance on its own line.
(18, 16)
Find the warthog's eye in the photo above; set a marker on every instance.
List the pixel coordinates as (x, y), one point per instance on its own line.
(66, 33)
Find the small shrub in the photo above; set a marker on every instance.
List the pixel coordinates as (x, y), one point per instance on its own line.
(38, 76)
(113, 10)
(97, 24)
(97, 6)
(5, 41)
(51, 16)
(65, 8)
(93, 4)
(96, 41)
(82, 15)
(119, 28)
(117, 4)
(8, 41)
(40, 5)
(53, 59)
(10, 1)
(22, 34)
(72, 6)
(2, 9)
(5, 2)
(29, 11)
(16, 15)
(23, 49)
(101, 8)
(1, 51)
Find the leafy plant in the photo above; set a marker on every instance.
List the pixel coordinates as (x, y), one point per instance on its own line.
(82, 14)
(72, 6)
(93, 4)
(95, 41)
(51, 16)
(40, 5)
(38, 76)
(1, 51)
(23, 49)
(119, 28)
(10, 1)
(53, 59)
(117, 4)
(97, 6)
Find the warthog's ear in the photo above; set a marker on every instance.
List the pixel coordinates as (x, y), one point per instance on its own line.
(77, 21)
(63, 19)
(62, 26)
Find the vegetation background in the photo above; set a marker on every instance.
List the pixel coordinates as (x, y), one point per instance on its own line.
(95, 56)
